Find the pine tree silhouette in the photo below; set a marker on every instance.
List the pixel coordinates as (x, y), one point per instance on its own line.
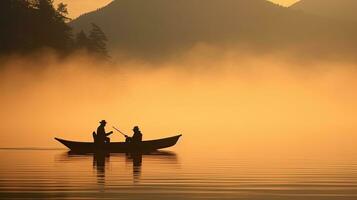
(82, 41)
(29, 25)
(98, 42)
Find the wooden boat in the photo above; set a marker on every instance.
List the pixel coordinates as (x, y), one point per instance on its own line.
(120, 147)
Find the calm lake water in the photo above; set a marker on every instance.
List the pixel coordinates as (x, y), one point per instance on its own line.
(56, 174)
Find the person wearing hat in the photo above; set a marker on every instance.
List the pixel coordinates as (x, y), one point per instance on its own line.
(137, 136)
(102, 136)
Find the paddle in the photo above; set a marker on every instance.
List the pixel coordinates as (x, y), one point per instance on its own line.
(120, 132)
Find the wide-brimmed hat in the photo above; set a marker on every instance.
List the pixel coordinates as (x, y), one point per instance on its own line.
(103, 122)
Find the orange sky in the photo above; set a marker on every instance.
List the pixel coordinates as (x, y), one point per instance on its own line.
(78, 7)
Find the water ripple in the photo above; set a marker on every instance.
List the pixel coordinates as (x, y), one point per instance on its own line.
(57, 175)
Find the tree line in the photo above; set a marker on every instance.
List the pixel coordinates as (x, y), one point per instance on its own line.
(30, 25)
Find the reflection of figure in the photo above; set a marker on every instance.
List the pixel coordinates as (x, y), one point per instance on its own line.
(102, 136)
(99, 161)
(137, 161)
(137, 137)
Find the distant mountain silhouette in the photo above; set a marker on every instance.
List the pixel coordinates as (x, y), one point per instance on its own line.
(337, 9)
(159, 27)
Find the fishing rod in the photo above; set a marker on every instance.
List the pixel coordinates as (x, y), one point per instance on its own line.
(120, 132)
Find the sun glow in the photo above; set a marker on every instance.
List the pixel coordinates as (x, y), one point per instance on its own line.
(284, 2)
(79, 7)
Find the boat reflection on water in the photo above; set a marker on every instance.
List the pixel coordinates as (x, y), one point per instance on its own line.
(101, 161)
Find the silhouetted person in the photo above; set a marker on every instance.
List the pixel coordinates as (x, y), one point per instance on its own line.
(137, 136)
(102, 136)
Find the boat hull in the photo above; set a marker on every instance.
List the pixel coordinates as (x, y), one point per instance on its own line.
(120, 147)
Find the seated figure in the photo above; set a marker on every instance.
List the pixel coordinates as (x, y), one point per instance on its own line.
(102, 136)
(137, 136)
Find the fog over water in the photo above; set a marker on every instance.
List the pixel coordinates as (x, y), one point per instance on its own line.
(224, 100)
